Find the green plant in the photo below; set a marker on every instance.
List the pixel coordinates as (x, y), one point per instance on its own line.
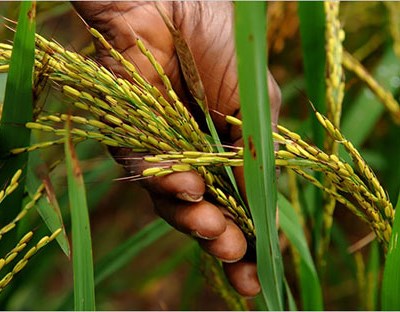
(118, 113)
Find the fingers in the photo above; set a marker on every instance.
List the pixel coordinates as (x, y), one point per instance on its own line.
(230, 246)
(202, 219)
(188, 186)
(89, 10)
(217, 235)
(243, 277)
(178, 200)
(121, 23)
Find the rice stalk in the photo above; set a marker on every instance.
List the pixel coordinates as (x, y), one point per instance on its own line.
(27, 256)
(360, 277)
(394, 25)
(294, 200)
(215, 277)
(11, 225)
(9, 188)
(334, 36)
(383, 95)
(136, 115)
(23, 242)
(334, 51)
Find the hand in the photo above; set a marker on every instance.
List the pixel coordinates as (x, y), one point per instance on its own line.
(208, 29)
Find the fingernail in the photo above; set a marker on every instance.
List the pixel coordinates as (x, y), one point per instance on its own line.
(190, 197)
(198, 235)
(228, 260)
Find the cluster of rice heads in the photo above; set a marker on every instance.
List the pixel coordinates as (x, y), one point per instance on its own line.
(16, 253)
(134, 114)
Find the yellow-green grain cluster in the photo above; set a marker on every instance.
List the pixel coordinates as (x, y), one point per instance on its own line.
(216, 279)
(24, 241)
(384, 96)
(11, 255)
(131, 114)
(334, 36)
(136, 115)
(393, 8)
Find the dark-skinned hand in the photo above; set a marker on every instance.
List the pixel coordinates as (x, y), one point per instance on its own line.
(208, 29)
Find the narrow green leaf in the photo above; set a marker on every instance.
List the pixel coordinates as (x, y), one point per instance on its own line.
(181, 256)
(259, 162)
(220, 149)
(311, 292)
(125, 253)
(366, 107)
(391, 273)
(291, 302)
(47, 206)
(372, 284)
(312, 31)
(193, 283)
(17, 108)
(81, 240)
(196, 88)
(341, 243)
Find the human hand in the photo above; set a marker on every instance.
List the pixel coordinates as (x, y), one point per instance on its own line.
(208, 29)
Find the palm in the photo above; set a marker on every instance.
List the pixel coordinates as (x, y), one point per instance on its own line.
(213, 50)
(208, 29)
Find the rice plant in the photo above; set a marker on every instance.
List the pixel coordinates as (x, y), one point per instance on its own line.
(102, 107)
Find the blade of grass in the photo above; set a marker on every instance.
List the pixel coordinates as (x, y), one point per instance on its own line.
(366, 107)
(193, 282)
(391, 274)
(372, 284)
(81, 240)
(17, 108)
(184, 254)
(124, 253)
(259, 162)
(341, 243)
(102, 174)
(311, 292)
(196, 88)
(47, 206)
(312, 31)
(290, 299)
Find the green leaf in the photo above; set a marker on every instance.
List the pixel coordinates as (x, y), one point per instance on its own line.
(341, 243)
(259, 161)
(47, 206)
(391, 273)
(125, 253)
(312, 31)
(81, 240)
(311, 292)
(366, 107)
(291, 302)
(181, 256)
(372, 284)
(193, 283)
(17, 108)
